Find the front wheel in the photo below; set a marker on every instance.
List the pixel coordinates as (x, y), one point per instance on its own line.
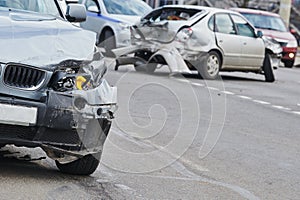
(95, 133)
(268, 69)
(82, 166)
(210, 66)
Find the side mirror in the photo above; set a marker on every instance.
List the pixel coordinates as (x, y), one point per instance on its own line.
(93, 9)
(259, 34)
(76, 13)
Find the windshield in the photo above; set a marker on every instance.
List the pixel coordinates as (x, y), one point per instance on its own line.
(127, 7)
(39, 6)
(266, 22)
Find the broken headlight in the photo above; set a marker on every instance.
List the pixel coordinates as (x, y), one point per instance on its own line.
(272, 45)
(73, 75)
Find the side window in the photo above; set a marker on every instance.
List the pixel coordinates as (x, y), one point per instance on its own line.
(243, 27)
(91, 6)
(224, 24)
(211, 23)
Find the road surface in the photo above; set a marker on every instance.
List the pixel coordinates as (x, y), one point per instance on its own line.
(181, 138)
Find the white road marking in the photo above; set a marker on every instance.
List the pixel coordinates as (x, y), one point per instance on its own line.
(244, 97)
(281, 107)
(262, 102)
(278, 107)
(212, 88)
(285, 108)
(124, 187)
(183, 80)
(198, 84)
(296, 112)
(227, 92)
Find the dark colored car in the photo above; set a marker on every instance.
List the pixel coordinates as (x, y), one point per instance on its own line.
(52, 91)
(273, 27)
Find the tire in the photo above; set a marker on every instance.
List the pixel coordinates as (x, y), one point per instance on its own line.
(289, 63)
(108, 41)
(95, 135)
(83, 166)
(142, 67)
(268, 69)
(210, 66)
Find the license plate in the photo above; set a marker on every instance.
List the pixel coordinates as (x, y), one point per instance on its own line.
(18, 115)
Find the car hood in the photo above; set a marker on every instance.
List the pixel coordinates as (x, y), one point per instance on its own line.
(279, 36)
(42, 40)
(129, 19)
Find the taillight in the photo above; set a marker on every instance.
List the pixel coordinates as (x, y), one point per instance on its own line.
(184, 34)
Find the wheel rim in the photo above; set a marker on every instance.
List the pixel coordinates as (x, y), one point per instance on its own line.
(213, 65)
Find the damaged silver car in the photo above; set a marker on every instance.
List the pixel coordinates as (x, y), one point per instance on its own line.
(52, 91)
(205, 39)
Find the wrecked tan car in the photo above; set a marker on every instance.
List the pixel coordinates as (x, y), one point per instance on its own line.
(52, 91)
(205, 39)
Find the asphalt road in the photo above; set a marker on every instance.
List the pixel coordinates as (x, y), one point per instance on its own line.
(181, 138)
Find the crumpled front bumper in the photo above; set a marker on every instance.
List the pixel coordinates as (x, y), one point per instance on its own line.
(60, 120)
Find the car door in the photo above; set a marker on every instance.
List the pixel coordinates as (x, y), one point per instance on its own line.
(94, 21)
(253, 48)
(227, 39)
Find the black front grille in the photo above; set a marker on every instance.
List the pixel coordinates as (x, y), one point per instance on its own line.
(23, 77)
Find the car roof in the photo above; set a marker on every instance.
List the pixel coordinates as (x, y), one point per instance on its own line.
(254, 11)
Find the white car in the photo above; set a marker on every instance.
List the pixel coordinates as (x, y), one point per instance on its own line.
(205, 39)
(111, 20)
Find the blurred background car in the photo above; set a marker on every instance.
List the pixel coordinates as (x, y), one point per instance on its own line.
(111, 20)
(273, 27)
(208, 39)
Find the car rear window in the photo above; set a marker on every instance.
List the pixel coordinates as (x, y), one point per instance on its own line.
(170, 14)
